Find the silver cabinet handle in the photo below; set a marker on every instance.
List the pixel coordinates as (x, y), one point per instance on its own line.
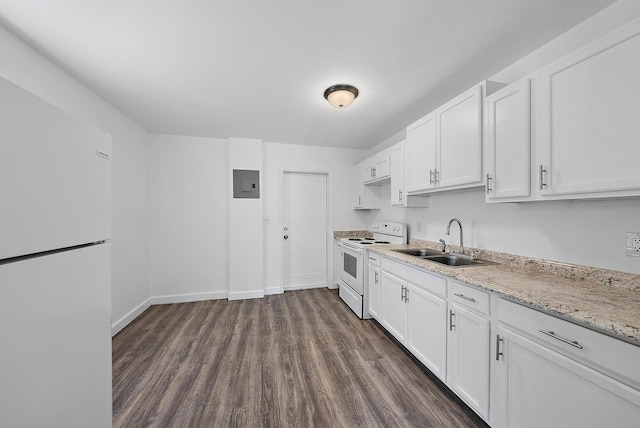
(437, 176)
(542, 172)
(462, 296)
(498, 353)
(402, 293)
(376, 278)
(359, 200)
(373, 173)
(400, 195)
(431, 176)
(406, 295)
(573, 343)
(487, 184)
(451, 315)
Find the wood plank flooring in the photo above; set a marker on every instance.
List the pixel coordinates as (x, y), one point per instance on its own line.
(299, 359)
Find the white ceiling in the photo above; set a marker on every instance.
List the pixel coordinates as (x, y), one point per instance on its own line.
(258, 68)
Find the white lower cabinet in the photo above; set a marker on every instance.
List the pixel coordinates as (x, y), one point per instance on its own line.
(394, 307)
(415, 312)
(427, 329)
(514, 366)
(373, 283)
(469, 347)
(550, 373)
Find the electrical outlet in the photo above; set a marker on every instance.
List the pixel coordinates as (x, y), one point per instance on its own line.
(633, 244)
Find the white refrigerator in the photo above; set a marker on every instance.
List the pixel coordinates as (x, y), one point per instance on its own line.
(55, 266)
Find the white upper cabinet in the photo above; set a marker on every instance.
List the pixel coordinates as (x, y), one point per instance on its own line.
(421, 154)
(444, 148)
(377, 168)
(365, 197)
(399, 196)
(589, 121)
(460, 140)
(508, 143)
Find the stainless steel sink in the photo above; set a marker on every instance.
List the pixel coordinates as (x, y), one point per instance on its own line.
(420, 252)
(456, 260)
(443, 258)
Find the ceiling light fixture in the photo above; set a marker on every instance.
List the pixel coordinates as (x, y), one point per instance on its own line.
(341, 96)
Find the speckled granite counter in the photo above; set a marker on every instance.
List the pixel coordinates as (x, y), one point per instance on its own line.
(600, 299)
(352, 234)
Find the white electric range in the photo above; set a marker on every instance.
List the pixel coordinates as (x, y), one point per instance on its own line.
(352, 283)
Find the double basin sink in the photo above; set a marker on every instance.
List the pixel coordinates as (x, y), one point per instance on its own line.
(455, 260)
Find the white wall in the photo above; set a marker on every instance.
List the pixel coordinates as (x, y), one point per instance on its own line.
(286, 157)
(25, 67)
(588, 233)
(245, 237)
(187, 218)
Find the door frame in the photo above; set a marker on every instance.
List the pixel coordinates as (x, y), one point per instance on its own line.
(329, 215)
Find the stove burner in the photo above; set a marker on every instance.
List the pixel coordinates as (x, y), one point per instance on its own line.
(366, 243)
(369, 239)
(382, 242)
(355, 239)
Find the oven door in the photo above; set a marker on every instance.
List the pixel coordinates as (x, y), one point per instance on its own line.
(352, 272)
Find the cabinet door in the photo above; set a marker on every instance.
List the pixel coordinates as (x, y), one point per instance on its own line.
(589, 127)
(338, 260)
(460, 140)
(421, 154)
(374, 291)
(427, 329)
(468, 369)
(358, 190)
(508, 145)
(397, 175)
(394, 307)
(382, 167)
(538, 387)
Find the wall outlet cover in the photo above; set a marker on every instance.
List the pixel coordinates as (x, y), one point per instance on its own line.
(633, 244)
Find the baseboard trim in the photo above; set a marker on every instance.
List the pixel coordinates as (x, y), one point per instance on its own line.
(306, 287)
(133, 314)
(273, 290)
(190, 297)
(239, 295)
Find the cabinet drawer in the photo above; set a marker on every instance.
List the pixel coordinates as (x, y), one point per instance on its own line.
(606, 354)
(374, 258)
(431, 283)
(470, 297)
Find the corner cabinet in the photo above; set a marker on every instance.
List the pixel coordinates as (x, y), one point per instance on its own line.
(508, 143)
(588, 123)
(444, 148)
(550, 373)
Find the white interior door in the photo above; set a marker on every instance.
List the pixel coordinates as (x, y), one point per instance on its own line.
(304, 230)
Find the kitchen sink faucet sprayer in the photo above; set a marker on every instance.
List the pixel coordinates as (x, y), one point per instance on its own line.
(449, 232)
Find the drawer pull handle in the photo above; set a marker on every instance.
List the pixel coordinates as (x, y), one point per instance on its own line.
(451, 325)
(462, 296)
(573, 343)
(498, 353)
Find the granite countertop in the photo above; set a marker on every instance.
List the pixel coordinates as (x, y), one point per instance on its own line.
(599, 299)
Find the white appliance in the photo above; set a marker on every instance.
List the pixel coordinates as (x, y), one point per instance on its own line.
(352, 282)
(55, 266)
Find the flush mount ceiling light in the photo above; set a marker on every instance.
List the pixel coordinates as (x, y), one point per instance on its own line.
(341, 96)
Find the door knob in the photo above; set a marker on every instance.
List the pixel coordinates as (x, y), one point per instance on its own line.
(286, 236)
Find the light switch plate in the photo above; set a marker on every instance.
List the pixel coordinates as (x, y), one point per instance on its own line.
(633, 244)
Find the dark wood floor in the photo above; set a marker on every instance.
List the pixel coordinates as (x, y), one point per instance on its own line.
(299, 359)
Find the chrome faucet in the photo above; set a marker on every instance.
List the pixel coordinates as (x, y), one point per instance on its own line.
(449, 232)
